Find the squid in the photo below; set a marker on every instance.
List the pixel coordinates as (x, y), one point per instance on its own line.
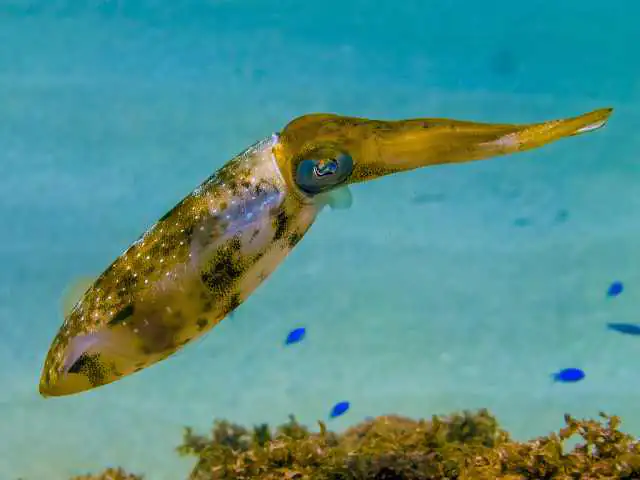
(205, 257)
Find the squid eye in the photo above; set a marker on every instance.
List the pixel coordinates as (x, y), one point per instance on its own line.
(317, 176)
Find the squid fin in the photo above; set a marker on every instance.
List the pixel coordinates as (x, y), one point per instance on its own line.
(338, 199)
(74, 293)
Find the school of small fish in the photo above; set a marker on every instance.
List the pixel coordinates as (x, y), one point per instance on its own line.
(572, 374)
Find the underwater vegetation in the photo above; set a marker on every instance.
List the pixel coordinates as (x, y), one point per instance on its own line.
(466, 445)
(111, 474)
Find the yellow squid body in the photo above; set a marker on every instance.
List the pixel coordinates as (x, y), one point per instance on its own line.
(205, 256)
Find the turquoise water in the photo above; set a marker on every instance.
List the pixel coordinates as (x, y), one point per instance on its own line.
(451, 287)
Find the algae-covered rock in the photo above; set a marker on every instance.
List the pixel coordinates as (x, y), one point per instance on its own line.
(111, 474)
(462, 446)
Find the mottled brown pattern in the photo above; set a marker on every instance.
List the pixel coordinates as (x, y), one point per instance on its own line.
(162, 337)
(224, 269)
(92, 367)
(122, 315)
(202, 323)
(281, 222)
(293, 239)
(233, 301)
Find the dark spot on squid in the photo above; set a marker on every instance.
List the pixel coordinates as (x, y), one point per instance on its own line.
(260, 188)
(372, 171)
(259, 255)
(234, 302)
(122, 315)
(220, 275)
(281, 224)
(149, 270)
(235, 243)
(207, 307)
(202, 323)
(160, 341)
(254, 234)
(91, 367)
(139, 365)
(294, 238)
(155, 249)
(127, 280)
(225, 269)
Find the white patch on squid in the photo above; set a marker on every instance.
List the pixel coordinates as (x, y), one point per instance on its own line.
(508, 142)
(591, 127)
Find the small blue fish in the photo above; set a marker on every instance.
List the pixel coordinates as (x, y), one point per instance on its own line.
(339, 409)
(627, 328)
(568, 375)
(295, 336)
(615, 289)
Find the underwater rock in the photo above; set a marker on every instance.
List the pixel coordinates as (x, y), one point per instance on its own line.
(111, 474)
(467, 445)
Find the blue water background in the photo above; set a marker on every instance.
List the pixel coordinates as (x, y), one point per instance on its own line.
(452, 287)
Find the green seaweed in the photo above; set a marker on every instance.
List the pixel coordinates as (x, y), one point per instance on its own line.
(464, 446)
(110, 474)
